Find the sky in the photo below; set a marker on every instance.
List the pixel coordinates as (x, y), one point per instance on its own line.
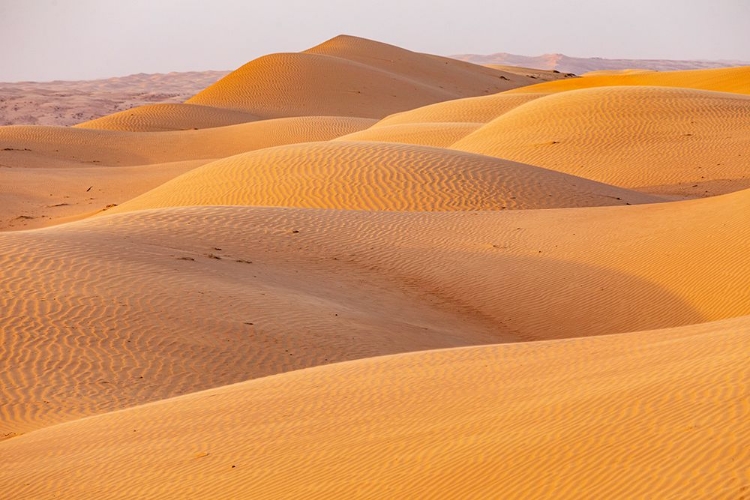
(42, 40)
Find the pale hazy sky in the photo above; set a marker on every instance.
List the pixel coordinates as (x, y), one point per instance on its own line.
(83, 39)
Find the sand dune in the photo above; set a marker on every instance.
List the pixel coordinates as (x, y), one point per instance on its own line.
(86, 298)
(50, 174)
(38, 146)
(349, 76)
(162, 117)
(659, 140)
(656, 413)
(736, 80)
(378, 176)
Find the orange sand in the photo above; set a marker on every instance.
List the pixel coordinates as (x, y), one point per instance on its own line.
(169, 296)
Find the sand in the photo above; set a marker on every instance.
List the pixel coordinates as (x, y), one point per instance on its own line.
(659, 140)
(654, 414)
(70, 102)
(360, 271)
(734, 79)
(379, 176)
(349, 76)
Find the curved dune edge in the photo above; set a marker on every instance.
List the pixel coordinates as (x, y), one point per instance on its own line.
(378, 176)
(525, 420)
(735, 80)
(165, 117)
(654, 139)
(480, 109)
(47, 146)
(279, 289)
(439, 135)
(349, 76)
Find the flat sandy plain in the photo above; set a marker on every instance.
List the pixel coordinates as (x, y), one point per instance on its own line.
(360, 271)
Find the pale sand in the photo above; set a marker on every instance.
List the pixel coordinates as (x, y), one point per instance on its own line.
(660, 414)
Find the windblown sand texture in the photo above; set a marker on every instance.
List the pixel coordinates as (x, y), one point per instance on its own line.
(364, 272)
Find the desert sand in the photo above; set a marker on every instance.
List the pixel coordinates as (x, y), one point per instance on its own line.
(361, 271)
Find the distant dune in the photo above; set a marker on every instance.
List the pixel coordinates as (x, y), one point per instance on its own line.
(581, 65)
(361, 271)
(349, 76)
(71, 102)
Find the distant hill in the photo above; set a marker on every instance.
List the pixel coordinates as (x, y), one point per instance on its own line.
(581, 65)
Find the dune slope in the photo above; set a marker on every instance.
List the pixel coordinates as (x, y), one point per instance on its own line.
(525, 420)
(349, 76)
(90, 307)
(378, 176)
(736, 80)
(660, 140)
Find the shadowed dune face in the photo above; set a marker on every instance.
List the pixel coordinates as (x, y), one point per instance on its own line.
(670, 141)
(524, 420)
(378, 176)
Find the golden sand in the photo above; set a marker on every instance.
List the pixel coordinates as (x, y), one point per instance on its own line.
(359, 271)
